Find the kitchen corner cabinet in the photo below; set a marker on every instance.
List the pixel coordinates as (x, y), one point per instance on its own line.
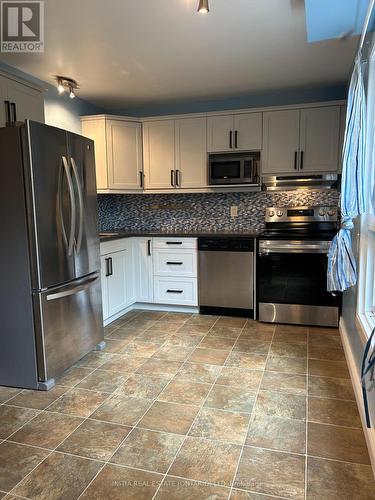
(19, 102)
(301, 141)
(235, 132)
(118, 152)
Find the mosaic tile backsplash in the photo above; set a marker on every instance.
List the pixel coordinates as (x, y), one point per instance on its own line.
(199, 212)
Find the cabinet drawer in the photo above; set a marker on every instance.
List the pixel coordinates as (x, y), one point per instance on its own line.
(178, 291)
(175, 243)
(112, 246)
(175, 263)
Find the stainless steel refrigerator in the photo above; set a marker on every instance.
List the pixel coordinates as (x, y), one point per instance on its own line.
(50, 294)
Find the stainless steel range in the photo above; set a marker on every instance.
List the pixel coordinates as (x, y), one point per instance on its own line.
(292, 266)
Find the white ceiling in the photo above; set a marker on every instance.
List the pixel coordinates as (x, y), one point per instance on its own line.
(139, 52)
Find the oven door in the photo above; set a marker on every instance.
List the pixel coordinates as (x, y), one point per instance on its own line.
(292, 283)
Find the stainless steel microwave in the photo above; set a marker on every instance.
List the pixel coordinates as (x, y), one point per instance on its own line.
(234, 168)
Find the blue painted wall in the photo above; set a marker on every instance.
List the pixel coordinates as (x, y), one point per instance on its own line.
(274, 98)
(60, 110)
(74, 108)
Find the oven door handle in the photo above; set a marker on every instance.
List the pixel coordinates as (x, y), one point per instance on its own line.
(290, 248)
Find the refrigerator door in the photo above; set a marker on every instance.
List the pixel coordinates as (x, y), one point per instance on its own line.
(86, 240)
(69, 324)
(52, 205)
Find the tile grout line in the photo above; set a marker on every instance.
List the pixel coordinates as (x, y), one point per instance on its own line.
(252, 413)
(152, 401)
(123, 441)
(54, 449)
(307, 408)
(200, 408)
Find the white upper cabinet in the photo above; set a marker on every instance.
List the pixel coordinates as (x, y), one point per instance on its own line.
(95, 128)
(280, 141)
(191, 152)
(247, 131)
(220, 133)
(118, 152)
(124, 149)
(159, 154)
(298, 141)
(238, 132)
(26, 102)
(19, 102)
(319, 139)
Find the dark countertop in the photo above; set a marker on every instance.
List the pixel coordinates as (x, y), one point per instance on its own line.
(115, 235)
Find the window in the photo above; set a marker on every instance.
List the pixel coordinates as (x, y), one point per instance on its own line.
(366, 278)
(366, 282)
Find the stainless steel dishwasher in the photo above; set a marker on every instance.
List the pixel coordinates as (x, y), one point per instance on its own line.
(226, 276)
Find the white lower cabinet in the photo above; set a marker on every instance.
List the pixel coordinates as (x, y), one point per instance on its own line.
(175, 263)
(143, 270)
(176, 291)
(116, 282)
(148, 271)
(117, 274)
(175, 271)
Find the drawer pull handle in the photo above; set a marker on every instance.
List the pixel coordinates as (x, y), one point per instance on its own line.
(173, 242)
(174, 263)
(174, 291)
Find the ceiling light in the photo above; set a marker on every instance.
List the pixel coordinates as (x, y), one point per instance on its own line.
(203, 7)
(66, 84)
(60, 87)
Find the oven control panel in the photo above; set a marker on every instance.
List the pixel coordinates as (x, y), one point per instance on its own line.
(302, 214)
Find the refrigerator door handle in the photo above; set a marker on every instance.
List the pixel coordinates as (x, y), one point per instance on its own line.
(73, 289)
(80, 204)
(70, 242)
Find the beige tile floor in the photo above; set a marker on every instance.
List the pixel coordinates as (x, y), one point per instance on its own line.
(182, 406)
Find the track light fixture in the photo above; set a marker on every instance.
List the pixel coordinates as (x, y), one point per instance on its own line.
(203, 7)
(66, 84)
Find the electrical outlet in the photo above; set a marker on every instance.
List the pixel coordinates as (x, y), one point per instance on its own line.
(234, 211)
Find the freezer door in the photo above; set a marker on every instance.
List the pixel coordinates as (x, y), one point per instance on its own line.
(82, 162)
(51, 205)
(69, 324)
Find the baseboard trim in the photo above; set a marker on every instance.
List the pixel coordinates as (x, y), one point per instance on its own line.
(369, 433)
(152, 307)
